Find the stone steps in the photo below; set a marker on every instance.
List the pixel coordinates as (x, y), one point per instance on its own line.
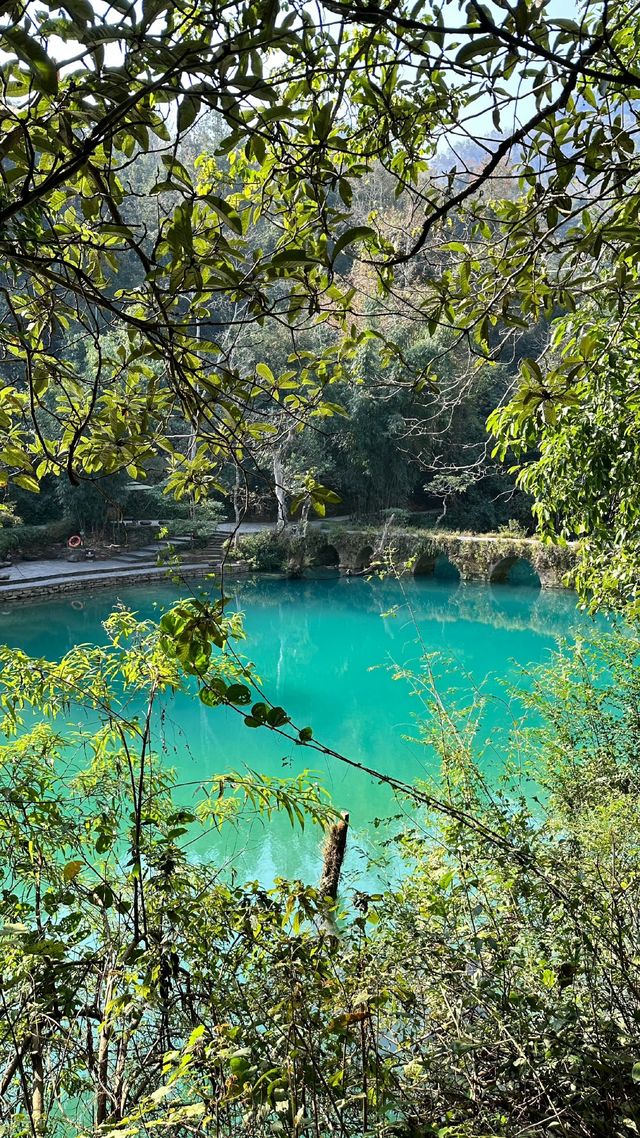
(212, 553)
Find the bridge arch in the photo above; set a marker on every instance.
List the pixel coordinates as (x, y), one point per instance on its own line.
(436, 564)
(445, 569)
(425, 563)
(327, 556)
(514, 570)
(363, 558)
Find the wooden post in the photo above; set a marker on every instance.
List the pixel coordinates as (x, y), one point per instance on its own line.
(333, 857)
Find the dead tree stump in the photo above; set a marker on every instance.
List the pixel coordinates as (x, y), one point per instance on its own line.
(333, 857)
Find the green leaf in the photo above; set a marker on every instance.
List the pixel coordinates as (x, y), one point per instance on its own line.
(104, 894)
(292, 257)
(482, 46)
(43, 69)
(27, 482)
(187, 112)
(238, 693)
(265, 372)
(80, 11)
(213, 694)
(357, 233)
(277, 717)
(567, 26)
(224, 211)
(322, 121)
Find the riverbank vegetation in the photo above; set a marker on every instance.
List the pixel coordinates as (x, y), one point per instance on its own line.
(493, 989)
(283, 257)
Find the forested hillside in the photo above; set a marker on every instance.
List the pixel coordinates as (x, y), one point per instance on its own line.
(404, 428)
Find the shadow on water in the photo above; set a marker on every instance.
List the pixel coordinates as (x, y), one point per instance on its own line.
(324, 652)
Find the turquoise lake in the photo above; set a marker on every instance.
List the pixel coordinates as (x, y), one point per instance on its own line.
(326, 653)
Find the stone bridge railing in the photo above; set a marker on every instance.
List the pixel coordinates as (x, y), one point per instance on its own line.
(482, 557)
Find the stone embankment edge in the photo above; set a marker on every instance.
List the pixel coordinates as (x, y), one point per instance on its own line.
(39, 590)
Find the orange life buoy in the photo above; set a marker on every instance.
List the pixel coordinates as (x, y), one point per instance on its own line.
(74, 541)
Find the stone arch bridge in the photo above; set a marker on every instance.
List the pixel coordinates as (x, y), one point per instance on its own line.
(480, 557)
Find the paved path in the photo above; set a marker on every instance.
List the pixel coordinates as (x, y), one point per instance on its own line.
(244, 527)
(26, 571)
(31, 578)
(258, 527)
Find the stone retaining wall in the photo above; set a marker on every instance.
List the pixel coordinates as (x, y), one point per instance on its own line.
(37, 590)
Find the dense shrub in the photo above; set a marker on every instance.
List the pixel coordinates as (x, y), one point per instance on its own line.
(265, 551)
(33, 540)
(485, 507)
(493, 993)
(91, 504)
(511, 946)
(512, 528)
(38, 509)
(399, 516)
(151, 502)
(422, 519)
(200, 529)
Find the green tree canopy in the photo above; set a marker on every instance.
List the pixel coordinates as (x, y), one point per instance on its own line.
(508, 133)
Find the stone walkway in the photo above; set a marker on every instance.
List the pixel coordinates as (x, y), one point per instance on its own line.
(29, 571)
(52, 577)
(31, 578)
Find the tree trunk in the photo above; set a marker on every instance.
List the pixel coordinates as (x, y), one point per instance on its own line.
(37, 1093)
(379, 551)
(103, 1098)
(280, 492)
(304, 515)
(238, 505)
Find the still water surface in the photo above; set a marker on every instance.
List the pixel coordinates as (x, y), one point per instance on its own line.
(326, 653)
